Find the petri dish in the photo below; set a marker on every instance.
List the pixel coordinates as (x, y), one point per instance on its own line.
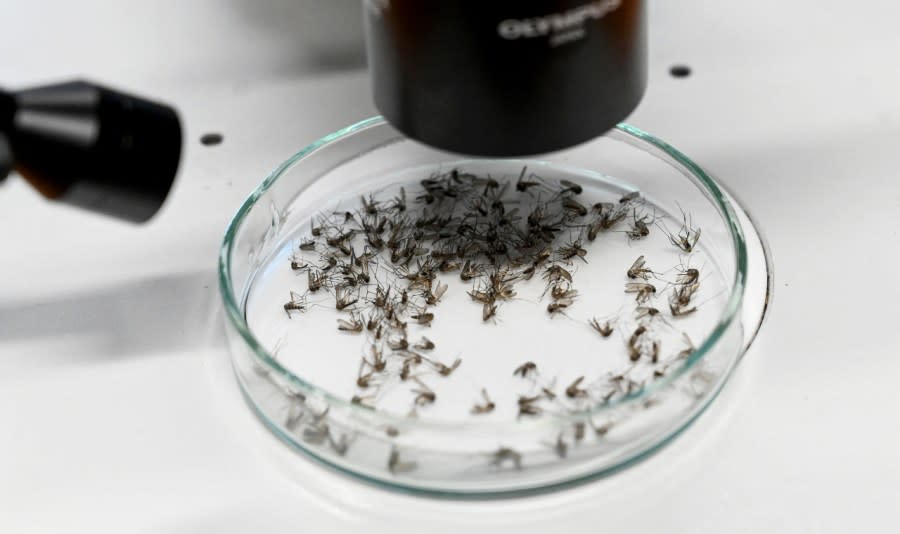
(465, 327)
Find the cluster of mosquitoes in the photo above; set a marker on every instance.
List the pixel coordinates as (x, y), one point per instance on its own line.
(381, 265)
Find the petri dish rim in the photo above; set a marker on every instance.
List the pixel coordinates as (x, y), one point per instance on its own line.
(623, 132)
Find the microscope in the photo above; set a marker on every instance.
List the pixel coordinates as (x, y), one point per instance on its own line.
(503, 78)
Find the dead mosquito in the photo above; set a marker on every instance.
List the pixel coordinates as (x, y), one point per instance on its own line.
(315, 280)
(395, 465)
(424, 344)
(423, 318)
(424, 397)
(445, 370)
(578, 431)
(433, 295)
(488, 311)
(570, 187)
(689, 347)
(571, 250)
(406, 369)
(575, 207)
(365, 380)
(398, 343)
(343, 301)
(680, 299)
(573, 391)
(687, 276)
(297, 303)
(486, 407)
(506, 454)
(528, 407)
(316, 434)
(646, 312)
(362, 400)
(522, 185)
(469, 271)
(642, 290)
(634, 343)
(370, 206)
(378, 362)
(638, 269)
(308, 245)
(601, 430)
(604, 328)
(526, 369)
(559, 292)
(687, 237)
(561, 447)
(399, 202)
(639, 227)
(354, 325)
(680, 311)
(557, 273)
(559, 306)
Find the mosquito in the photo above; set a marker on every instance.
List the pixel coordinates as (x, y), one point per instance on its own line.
(528, 406)
(646, 312)
(571, 250)
(423, 318)
(559, 306)
(570, 187)
(370, 206)
(469, 271)
(343, 301)
(605, 329)
(522, 185)
(486, 407)
(445, 370)
(488, 311)
(396, 465)
(687, 276)
(424, 396)
(639, 227)
(642, 290)
(506, 454)
(297, 303)
(561, 447)
(315, 280)
(424, 344)
(634, 343)
(578, 431)
(687, 237)
(638, 269)
(556, 273)
(575, 207)
(573, 391)
(689, 347)
(526, 369)
(354, 325)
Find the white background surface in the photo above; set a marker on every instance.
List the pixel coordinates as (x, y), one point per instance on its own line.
(117, 410)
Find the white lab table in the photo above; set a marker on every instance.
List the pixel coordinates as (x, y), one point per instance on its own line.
(117, 409)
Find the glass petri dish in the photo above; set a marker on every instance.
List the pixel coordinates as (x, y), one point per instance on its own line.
(601, 308)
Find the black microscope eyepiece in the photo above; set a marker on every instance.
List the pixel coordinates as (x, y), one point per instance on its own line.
(92, 147)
